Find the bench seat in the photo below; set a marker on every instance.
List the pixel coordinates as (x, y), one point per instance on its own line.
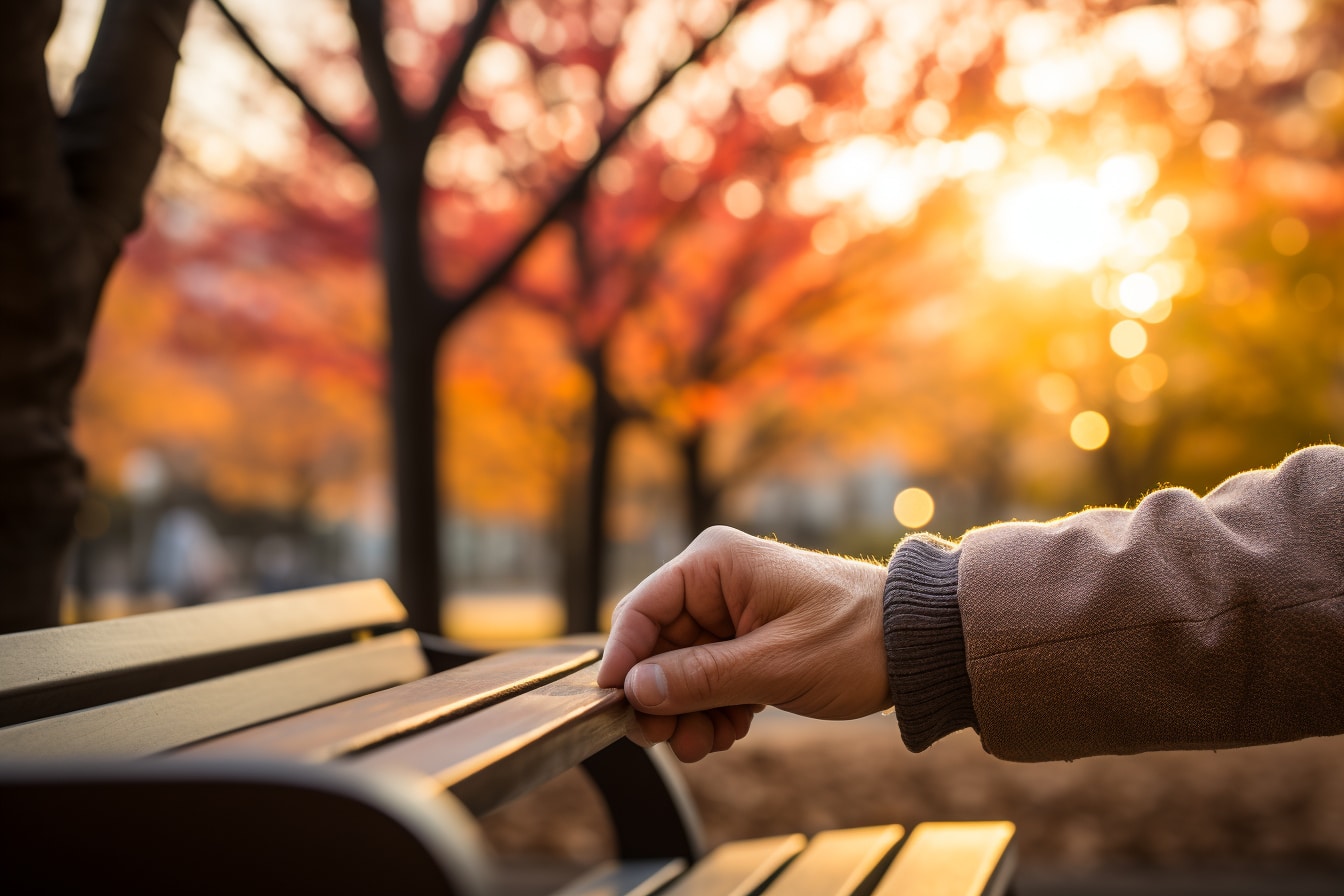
(311, 741)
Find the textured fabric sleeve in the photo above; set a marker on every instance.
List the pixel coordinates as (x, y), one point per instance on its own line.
(926, 656)
(1186, 623)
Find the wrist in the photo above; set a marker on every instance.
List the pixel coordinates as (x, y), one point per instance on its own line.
(925, 645)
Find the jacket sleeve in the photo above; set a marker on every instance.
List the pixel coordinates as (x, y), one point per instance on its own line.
(1186, 623)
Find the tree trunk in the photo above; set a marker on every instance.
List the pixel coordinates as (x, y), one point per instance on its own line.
(70, 192)
(584, 541)
(701, 496)
(413, 349)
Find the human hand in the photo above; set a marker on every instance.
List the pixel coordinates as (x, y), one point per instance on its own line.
(735, 622)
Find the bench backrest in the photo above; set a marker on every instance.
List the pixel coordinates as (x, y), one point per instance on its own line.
(170, 679)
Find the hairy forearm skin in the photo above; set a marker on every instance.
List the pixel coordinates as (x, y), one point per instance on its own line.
(70, 192)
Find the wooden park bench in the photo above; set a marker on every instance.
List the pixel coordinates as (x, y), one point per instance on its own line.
(311, 742)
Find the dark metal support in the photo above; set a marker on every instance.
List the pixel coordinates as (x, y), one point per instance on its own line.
(650, 806)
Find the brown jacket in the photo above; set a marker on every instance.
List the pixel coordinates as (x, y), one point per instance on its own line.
(1186, 623)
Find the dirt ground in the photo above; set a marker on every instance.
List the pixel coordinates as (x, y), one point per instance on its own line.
(1279, 807)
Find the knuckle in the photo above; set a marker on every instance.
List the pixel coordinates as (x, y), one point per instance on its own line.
(701, 675)
(716, 536)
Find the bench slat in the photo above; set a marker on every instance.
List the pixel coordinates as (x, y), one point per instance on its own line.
(493, 755)
(741, 868)
(839, 863)
(58, 670)
(635, 878)
(167, 719)
(953, 859)
(357, 724)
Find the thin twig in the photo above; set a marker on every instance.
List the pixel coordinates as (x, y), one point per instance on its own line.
(450, 310)
(289, 84)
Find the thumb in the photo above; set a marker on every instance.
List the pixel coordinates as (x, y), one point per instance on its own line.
(706, 676)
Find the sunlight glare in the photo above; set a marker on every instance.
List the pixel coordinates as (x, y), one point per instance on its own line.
(1059, 225)
(894, 195)
(1138, 293)
(851, 168)
(1126, 177)
(1128, 337)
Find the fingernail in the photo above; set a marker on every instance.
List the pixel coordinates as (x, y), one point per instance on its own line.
(649, 685)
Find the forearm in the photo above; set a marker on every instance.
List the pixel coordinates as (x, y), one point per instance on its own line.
(1186, 623)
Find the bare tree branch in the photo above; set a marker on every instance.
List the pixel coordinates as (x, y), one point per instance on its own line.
(452, 309)
(368, 18)
(452, 75)
(359, 152)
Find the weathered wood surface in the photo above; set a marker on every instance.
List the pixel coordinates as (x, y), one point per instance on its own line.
(738, 869)
(56, 670)
(953, 859)
(839, 863)
(357, 724)
(163, 720)
(495, 754)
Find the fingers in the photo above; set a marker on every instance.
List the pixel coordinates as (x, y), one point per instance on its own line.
(708, 676)
(638, 622)
(679, 603)
(695, 735)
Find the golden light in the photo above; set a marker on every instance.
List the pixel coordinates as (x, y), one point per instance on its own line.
(1056, 392)
(1128, 339)
(1138, 293)
(830, 236)
(789, 104)
(1289, 236)
(913, 508)
(930, 118)
(1059, 224)
(494, 66)
(1220, 140)
(849, 169)
(895, 194)
(1137, 380)
(1089, 430)
(1126, 177)
(1173, 213)
(742, 199)
(1213, 27)
(1324, 89)
(1314, 291)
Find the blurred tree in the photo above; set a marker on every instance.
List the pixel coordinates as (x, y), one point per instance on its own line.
(410, 114)
(71, 189)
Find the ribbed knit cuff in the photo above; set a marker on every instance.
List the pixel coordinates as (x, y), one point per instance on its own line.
(926, 651)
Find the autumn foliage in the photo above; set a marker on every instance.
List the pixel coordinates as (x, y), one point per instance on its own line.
(1029, 258)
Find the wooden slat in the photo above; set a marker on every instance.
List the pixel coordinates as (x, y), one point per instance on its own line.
(839, 863)
(634, 878)
(504, 750)
(356, 724)
(57, 670)
(741, 868)
(953, 859)
(166, 719)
